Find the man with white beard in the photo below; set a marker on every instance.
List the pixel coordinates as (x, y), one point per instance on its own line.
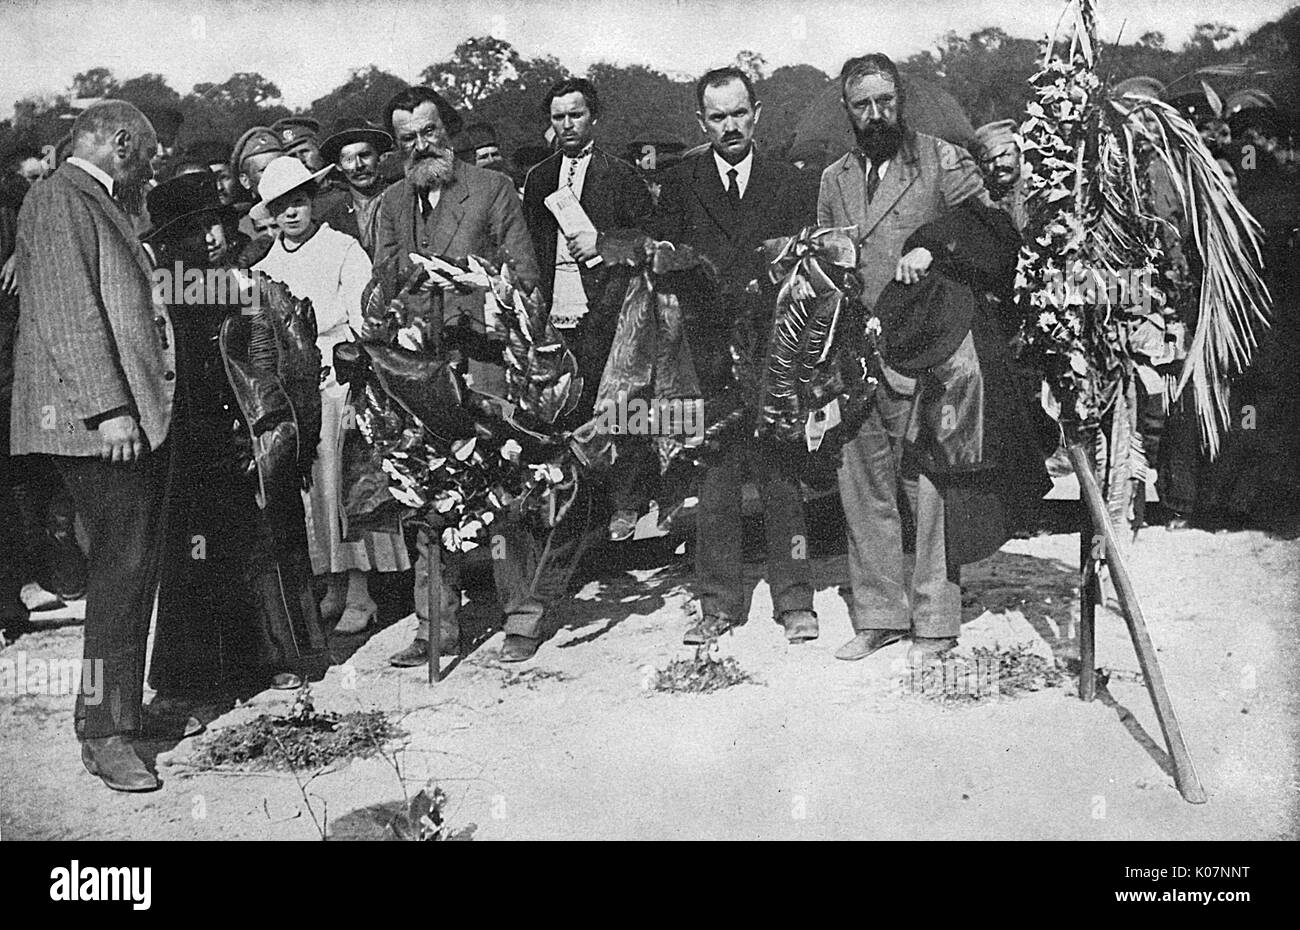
(448, 208)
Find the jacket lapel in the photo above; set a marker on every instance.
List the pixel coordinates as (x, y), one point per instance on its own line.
(902, 174)
(853, 192)
(115, 213)
(449, 213)
(713, 196)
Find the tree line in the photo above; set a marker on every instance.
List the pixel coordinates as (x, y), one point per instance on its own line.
(490, 81)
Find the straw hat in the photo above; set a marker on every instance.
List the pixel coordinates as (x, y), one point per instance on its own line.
(284, 175)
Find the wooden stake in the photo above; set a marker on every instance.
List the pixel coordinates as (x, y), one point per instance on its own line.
(1185, 777)
(433, 556)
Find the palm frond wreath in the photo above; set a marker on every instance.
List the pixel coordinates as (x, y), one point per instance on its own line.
(1091, 160)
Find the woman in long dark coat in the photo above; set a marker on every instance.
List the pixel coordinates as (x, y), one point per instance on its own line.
(236, 612)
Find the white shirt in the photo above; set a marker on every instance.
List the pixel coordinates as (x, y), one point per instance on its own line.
(568, 298)
(94, 171)
(742, 169)
(330, 269)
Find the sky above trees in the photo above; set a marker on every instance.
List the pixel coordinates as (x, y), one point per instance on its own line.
(309, 48)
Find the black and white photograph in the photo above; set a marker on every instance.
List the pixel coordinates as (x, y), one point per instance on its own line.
(651, 420)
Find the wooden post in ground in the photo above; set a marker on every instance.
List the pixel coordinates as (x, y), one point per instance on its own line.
(1185, 777)
(1089, 590)
(433, 556)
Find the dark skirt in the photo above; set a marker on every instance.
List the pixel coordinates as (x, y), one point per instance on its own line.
(235, 601)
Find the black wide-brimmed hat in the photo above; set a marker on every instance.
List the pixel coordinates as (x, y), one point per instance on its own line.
(182, 197)
(348, 131)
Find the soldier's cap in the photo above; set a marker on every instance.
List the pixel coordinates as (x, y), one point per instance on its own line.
(294, 130)
(352, 130)
(256, 141)
(996, 137)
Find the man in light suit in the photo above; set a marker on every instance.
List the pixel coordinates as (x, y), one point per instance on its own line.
(446, 207)
(895, 181)
(725, 202)
(94, 380)
(585, 300)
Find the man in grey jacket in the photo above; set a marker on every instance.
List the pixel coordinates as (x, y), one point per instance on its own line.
(94, 381)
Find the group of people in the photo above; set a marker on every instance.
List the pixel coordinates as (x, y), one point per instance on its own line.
(135, 400)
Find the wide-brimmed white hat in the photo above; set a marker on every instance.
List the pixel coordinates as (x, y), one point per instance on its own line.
(285, 174)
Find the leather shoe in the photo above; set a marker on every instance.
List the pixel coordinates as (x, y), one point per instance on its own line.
(924, 648)
(800, 625)
(115, 761)
(158, 724)
(866, 642)
(286, 681)
(417, 653)
(519, 648)
(706, 628)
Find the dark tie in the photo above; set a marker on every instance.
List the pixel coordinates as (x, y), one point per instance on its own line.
(733, 188)
(873, 181)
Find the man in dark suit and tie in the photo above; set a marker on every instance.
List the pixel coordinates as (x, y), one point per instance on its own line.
(585, 299)
(726, 202)
(94, 381)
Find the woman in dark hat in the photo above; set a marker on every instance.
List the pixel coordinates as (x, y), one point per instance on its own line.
(235, 606)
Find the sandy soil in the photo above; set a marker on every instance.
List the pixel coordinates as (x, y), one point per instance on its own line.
(574, 745)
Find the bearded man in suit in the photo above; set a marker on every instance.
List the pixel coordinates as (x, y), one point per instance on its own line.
(94, 382)
(895, 181)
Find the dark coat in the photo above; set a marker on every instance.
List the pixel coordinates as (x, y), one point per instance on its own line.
(991, 472)
(694, 210)
(615, 198)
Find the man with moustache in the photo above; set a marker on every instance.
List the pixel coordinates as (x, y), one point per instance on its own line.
(94, 382)
(355, 148)
(446, 207)
(585, 301)
(895, 181)
(1000, 163)
(725, 202)
(253, 151)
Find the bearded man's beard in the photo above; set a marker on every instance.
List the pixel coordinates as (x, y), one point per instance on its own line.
(430, 169)
(880, 141)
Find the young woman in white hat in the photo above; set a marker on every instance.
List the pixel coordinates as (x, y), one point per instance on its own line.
(330, 269)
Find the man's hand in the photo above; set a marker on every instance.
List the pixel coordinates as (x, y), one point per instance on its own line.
(583, 245)
(9, 275)
(119, 439)
(913, 266)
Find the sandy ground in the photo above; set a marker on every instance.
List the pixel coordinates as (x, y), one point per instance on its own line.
(574, 745)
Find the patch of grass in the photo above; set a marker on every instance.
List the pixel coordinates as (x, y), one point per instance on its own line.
(531, 678)
(702, 674)
(984, 675)
(302, 740)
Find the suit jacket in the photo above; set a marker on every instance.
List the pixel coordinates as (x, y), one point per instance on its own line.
(925, 179)
(478, 213)
(694, 210)
(90, 336)
(614, 197)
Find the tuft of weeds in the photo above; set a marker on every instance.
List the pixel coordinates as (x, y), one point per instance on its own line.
(984, 675)
(302, 740)
(701, 674)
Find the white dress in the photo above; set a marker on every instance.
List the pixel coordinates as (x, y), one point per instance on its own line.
(331, 269)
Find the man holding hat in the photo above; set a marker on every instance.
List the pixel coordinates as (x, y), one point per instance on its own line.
(355, 149)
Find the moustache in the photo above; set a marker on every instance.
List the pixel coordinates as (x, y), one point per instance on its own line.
(732, 137)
